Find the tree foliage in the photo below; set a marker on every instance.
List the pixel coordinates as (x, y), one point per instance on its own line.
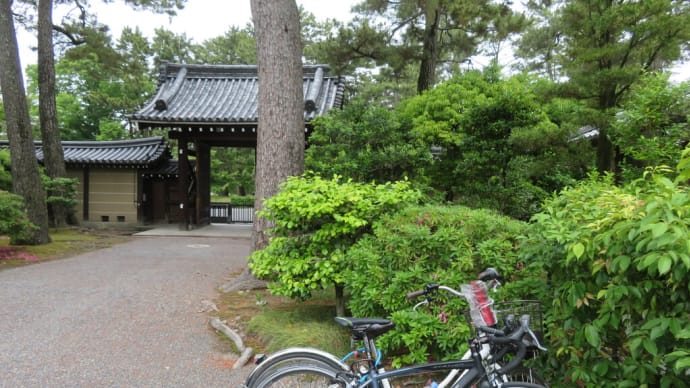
(498, 149)
(233, 171)
(366, 144)
(436, 36)
(652, 127)
(603, 49)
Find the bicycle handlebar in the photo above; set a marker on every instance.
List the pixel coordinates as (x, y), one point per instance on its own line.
(428, 289)
(488, 275)
(515, 338)
(415, 294)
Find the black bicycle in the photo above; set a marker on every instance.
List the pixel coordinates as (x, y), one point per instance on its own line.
(494, 357)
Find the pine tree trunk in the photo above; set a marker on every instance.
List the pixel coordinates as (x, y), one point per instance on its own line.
(427, 67)
(280, 132)
(26, 181)
(53, 157)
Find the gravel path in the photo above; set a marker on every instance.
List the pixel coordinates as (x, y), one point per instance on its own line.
(125, 316)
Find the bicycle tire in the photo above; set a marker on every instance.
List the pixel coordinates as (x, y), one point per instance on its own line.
(302, 376)
(292, 357)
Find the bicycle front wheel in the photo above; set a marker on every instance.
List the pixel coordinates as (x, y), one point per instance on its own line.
(307, 375)
(525, 375)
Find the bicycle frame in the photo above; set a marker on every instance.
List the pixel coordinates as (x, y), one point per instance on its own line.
(374, 378)
(472, 368)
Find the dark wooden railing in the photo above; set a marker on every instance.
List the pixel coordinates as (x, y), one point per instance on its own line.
(226, 213)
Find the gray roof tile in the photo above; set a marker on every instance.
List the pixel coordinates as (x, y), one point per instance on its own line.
(146, 152)
(227, 94)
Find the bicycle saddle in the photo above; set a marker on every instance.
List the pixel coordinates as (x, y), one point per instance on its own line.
(371, 327)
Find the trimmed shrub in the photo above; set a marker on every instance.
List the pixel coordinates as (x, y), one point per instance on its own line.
(316, 221)
(449, 245)
(14, 221)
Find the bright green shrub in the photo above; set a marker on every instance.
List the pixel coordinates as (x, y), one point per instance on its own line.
(13, 219)
(5, 171)
(61, 191)
(316, 222)
(449, 245)
(618, 260)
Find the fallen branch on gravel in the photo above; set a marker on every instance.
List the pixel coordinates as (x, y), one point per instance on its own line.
(245, 353)
(244, 358)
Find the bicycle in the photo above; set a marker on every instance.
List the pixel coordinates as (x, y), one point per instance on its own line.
(485, 365)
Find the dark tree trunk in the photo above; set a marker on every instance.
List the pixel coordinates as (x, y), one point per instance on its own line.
(280, 132)
(606, 152)
(53, 157)
(26, 181)
(339, 300)
(427, 67)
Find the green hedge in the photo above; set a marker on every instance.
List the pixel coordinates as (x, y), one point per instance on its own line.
(619, 261)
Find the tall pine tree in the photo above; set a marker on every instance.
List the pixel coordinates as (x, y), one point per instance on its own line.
(605, 47)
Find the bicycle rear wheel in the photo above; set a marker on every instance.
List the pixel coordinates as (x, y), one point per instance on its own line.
(292, 358)
(302, 376)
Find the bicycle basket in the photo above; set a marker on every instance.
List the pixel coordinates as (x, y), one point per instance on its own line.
(517, 308)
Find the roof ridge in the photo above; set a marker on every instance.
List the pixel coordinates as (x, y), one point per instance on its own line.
(112, 143)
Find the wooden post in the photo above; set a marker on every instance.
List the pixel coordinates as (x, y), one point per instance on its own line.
(203, 183)
(183, 166)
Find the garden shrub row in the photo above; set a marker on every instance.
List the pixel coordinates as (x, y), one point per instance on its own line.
(618, 260)
(609, 262)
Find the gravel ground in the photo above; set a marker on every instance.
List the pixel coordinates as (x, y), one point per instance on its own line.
(125, 316)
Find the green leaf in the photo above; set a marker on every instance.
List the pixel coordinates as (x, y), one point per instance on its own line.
(622, 262)
(683, 334)
(682, 364)
(578, 250)
(658, 331)
(659, 229)
(650, 346)
(665, 264)
(592, 336)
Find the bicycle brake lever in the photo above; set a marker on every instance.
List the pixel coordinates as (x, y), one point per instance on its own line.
(494, 285)
(535, 340)
(424, 302)
(524, 322)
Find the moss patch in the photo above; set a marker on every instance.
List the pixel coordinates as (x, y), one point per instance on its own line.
(65, 242)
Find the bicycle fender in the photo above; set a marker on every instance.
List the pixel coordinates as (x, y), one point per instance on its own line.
(298, 352)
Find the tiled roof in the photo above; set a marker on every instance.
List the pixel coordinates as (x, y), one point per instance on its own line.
(165, 170)
(227, 94)
(144, 152)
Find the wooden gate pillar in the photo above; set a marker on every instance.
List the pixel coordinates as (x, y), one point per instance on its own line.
(184, 182)
(203, 183)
